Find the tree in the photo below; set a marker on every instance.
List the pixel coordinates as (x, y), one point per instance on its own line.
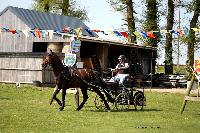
(126, 7)
(191, 38)
(63, 7)
(151, 24)
(168, 46)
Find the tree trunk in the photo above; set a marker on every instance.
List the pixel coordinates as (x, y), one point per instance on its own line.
(168, 46)
(130, 20)
(191, 38)
(152, 25)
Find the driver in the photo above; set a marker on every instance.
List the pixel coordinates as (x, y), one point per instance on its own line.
(121, 70)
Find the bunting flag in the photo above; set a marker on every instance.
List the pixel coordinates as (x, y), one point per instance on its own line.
(50, 33)
(151, 35)
(25, 33)
(196, 29)
(44, 32)
(66, 29)
(38, 33)
(78, 32)
(138, 35)
(181, 32)
(5, 29)
(114, 35)
(89, 31)
(158, 34)
(33, 33)
(13, 31)
(97, 31)
(175, 32)
(125, 34)
(144, 34)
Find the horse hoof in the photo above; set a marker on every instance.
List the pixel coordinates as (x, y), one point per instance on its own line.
(109, 111)
(60, 109)
(59, 103)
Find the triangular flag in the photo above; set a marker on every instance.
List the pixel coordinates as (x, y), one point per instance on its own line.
(44, 32)
(158, 34)
(125, 34)
(33, 33)
(194, 29)
(13, 31)
(89, 31)
(151, 35)
(66, 29)
(50, 33)
(78, 32)
(117, 33)
(38, 32)
(144, 34)
(25, 33)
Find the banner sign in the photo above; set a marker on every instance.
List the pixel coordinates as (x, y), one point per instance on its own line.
(75, 45)
(70, 59)
(197, 65)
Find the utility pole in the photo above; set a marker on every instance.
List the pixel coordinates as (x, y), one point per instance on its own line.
(179, 26)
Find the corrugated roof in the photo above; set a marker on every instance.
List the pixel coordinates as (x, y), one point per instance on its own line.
(47, 21)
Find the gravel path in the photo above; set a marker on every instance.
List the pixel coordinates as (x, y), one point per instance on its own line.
(171, 90)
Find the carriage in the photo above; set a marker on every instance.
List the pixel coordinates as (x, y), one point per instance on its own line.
(119, 96)
(124, 94)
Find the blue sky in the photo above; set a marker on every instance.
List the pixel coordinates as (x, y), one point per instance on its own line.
(100, 13)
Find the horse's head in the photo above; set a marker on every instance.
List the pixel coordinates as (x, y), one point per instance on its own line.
(49, 58)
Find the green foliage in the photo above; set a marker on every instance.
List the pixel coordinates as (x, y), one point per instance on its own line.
(27, 110)
(66, 7)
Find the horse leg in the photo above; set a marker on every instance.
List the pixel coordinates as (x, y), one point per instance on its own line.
(63, 100)
(54, 96)
(102, 97)
(85, 97)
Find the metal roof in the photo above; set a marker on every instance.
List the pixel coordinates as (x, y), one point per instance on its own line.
(47, 21)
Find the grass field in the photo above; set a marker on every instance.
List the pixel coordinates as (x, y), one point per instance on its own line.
(27, 110)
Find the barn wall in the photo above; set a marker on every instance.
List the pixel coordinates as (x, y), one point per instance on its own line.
(24, 69)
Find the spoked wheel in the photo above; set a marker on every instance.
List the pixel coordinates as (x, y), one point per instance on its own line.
(122, 102)
(99, 104)
(139, 100)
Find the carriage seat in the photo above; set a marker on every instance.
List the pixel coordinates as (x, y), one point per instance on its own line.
(111, 83)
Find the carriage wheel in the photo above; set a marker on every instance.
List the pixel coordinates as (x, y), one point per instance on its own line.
(122, 102)
(139, 100)
(99, 104)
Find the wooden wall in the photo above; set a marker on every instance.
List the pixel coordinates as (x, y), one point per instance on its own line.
(24, 69)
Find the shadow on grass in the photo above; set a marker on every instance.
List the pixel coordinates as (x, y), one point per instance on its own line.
(4, 98)
(129, 110)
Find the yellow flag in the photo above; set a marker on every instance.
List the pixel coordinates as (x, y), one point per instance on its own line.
(78, 32)
(194, 29)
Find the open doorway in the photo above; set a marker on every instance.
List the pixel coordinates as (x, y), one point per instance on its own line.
(39, 46)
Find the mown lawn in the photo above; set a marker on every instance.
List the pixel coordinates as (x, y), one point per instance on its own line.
(27, 110)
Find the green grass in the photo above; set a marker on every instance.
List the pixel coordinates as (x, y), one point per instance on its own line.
(27, 110)
(176, 70)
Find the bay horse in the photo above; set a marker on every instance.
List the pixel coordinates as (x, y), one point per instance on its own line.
(65, 77)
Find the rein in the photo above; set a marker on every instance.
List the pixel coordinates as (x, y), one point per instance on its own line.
(89, 84)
